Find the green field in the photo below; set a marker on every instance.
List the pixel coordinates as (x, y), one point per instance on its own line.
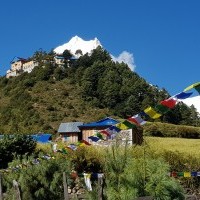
(182, 145)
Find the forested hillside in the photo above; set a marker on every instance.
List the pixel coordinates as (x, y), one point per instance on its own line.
(86, 89)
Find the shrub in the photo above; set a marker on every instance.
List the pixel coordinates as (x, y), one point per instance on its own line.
(87, 159)
(42, 181)
(171, 130)
(15, 145)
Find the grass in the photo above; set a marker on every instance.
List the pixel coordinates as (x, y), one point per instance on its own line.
(181, 145)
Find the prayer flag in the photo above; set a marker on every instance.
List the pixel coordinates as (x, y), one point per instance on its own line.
(100, 136)
(132, 120)
(129, 124)
(183, 95)
(161, 108)
(121, 126)
(109, 131)
(105, 132)
(72, 147)
(143, 114)
(64, 151)
(87, 181)
(152, 113)
(194, 174)
(198, 89)
(170, 103)
(195, 85)
(94, 139)
(114, 129)
(187, 174)
(180, 174)
(174, 174)
(85, 142)
(139, 119)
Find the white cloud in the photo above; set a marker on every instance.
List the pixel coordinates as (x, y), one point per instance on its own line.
(125, 57)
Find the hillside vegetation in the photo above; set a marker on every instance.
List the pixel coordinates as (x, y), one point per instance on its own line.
(86, 89)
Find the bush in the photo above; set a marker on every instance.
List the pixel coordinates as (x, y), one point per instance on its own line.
(87, 159)
(15, 145)
(170, 130)
(42, 181)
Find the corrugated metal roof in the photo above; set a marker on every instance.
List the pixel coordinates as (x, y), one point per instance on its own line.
(101, 123)
(69, 127)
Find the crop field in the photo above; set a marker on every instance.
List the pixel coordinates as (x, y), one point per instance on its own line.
(181, 145)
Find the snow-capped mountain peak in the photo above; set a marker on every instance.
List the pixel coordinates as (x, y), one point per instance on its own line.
(77, 47)
(77, 43)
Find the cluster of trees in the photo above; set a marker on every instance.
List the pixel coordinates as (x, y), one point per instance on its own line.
(99, 81)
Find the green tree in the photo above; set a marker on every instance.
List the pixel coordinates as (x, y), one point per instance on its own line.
(67, 54)
(100, 54)
(128, 177)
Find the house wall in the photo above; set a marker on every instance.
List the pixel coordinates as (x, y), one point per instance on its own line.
(87, 133)
(90, 132)
(134, 136)
(11, 73)
(59, 61)
(16, 65)
(29, 66)
(70, 137)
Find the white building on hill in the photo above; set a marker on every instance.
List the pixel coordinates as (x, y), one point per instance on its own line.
(20, 66)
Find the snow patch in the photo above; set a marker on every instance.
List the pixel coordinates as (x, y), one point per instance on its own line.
(77, 43)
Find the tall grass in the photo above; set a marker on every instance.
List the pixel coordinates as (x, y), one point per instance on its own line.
(189, 147)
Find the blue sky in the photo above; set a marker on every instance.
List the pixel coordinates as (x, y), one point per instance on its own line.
(162, 35)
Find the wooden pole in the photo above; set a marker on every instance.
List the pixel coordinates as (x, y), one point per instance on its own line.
(66, 195)
(1, 191)
(17, 191)
(100, 187)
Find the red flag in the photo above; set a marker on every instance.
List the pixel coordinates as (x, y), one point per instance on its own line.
(131, 119)
(170, 103)
(105, 132)
(85, 142)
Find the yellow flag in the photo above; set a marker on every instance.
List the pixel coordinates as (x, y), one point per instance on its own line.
(82, 144)
(122, 126)
(152, 113)
(187, 174)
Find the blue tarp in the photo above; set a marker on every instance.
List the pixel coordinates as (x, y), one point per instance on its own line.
(43, 138)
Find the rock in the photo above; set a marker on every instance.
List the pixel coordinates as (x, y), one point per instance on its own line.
(74, 190)
(69, 191)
